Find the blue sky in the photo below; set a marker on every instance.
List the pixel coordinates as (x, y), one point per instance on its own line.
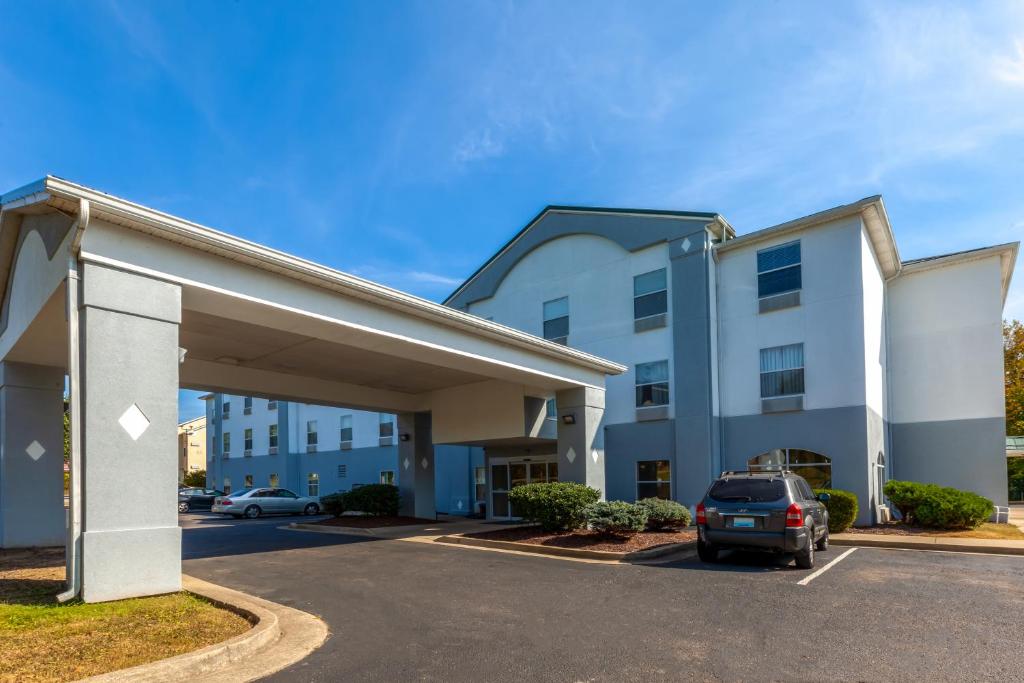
(406, 141)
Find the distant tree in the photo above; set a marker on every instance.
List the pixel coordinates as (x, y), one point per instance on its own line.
(67, 431)
(1013, 364)
(195, 478)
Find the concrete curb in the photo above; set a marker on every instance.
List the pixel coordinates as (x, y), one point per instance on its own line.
(280, 637)
(945, 544)
(575, 553)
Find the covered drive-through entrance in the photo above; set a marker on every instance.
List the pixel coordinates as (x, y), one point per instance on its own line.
(127, 304)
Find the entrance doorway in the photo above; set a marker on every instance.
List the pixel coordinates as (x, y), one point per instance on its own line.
(508, 473)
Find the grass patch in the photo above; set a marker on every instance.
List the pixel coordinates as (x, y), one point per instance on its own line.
(41, 640)
(987, 530)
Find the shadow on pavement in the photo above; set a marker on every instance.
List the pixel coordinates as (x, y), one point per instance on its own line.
(220, 540)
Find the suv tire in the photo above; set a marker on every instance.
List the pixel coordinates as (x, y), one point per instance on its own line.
(707, 552)
(805, 558)
(822, 543)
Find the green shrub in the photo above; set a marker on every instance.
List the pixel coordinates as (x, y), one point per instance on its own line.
(842, 509)
(665, 514)
(334, 504)
(949, 508)
(616, 517)
(906, 496)
(939, 507)
(196, 478)
(556, 506)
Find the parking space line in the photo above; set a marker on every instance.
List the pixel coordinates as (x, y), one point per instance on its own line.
(807, 579)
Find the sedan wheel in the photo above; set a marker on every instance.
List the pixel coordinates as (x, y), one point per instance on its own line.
(253, 511)
(312, 509)
(183, 506)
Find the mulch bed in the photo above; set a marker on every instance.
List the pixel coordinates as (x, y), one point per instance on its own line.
(376, 522)
(891, 530)
(588, 540)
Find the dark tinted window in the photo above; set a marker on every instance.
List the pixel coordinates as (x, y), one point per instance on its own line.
(285, 493)
(239, 493)
(747, 490)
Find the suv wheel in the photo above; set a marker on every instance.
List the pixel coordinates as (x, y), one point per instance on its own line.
(805, 558)
(252, 512)
(823, 541)
(707, 552)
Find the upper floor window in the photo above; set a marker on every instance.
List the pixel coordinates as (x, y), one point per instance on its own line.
(226, 410)
(652, 384)
(311, 438)
(650, 294)
(247, 405)
(272, 435)
(346, 428)
(248, 439)
(778, 269)
(556, 320)
(227, 443)
(271, 404)
(782, 371)
(387, 426)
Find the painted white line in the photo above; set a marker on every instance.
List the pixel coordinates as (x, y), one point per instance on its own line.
(807, 579)
(945, 552)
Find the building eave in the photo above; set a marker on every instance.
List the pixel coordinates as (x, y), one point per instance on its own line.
(1006, 252)
(65, 195)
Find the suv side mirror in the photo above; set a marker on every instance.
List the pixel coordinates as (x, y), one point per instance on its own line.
(824, 497)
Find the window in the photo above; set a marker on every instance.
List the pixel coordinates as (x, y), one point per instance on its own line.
(782, 371)
(778, 269)
(248, 440)
(650, 294)
(653, 479)
(227, 486)
(387, 426)
(387, 477)
(652, 384)
(272, 435)
(247, 405)
(342, 471)
(271, 404)
(226, 410)
(480, 483)
(273, 480)
(346, 428)
(311, 433)
(552, 409)
(227, 442)
(313, 484)
(814, 467)
(556, 320)
(747, 490)
(248, 481)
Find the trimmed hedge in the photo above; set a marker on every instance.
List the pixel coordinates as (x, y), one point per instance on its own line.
(376, 500)
(665, 514)
(939, 507)
(556, 506)
(842, 509)
(616, 517)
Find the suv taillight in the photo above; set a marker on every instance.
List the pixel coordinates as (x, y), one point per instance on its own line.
(702, 518)
(794, 515)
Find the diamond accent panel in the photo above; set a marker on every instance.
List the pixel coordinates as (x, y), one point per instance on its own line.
(594, 455)
(134, 421)
(35, 450)
(686, 244)
(405, 464)
(570, 455)
(424, 463)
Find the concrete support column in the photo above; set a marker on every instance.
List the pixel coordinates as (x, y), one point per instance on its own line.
(31, 456)
(131, 542)
(416, 465)
(581, 443)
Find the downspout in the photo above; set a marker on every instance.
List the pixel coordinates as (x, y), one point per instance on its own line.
(74, 540)
(887, 418)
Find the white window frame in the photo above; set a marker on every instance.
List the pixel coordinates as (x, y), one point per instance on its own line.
(387, 421)
(247, 439)
(799, 264)
(313, 484)
(247, 481)
(801, 368)
(312, 437)
(344, 423)
(226, 443)
(564, 339)
(390, 478)
(273, 480)
(225, 410)
(247, 405)
(667, 382)
(272, 436)
(655, 291)
(655, 481)
(226, 485)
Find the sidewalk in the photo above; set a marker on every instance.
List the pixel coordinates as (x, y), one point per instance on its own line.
(1017, 515)
(959, 545)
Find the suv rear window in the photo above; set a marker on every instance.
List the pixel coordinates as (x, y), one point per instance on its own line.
(747, 490)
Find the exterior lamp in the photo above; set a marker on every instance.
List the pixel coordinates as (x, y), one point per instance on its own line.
(569, 419)
(403, 437)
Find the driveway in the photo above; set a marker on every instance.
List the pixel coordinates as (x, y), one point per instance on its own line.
(415, 611)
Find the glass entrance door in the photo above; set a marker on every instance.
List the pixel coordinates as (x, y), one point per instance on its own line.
(507, 475)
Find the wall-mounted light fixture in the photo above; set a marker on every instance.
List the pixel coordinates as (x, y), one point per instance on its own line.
(403, 437)
(569, 419)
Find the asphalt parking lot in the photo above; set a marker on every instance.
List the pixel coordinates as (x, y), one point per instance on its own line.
(413, 611)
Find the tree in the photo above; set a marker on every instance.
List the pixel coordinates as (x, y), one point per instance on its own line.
(1013, 364)
(195, 478)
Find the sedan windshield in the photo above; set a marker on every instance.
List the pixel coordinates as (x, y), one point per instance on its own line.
(747, 490)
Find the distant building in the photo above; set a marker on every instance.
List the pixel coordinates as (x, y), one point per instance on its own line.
(191, 446)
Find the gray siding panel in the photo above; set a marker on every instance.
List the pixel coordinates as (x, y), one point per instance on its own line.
(625, 444)
(965, 454)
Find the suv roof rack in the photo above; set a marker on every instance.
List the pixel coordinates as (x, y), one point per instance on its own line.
(781, 470)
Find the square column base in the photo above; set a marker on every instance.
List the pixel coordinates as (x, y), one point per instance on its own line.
(114, 569)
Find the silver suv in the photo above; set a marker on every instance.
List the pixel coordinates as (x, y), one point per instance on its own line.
(763, 511)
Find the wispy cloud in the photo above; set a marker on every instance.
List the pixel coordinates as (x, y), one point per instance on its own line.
(479, 144)
(422, 283)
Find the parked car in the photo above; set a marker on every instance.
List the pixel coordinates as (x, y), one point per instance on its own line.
(763, 511)
(190, 498)
(255, 502)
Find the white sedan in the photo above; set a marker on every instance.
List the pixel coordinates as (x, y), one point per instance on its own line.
(252, 503)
